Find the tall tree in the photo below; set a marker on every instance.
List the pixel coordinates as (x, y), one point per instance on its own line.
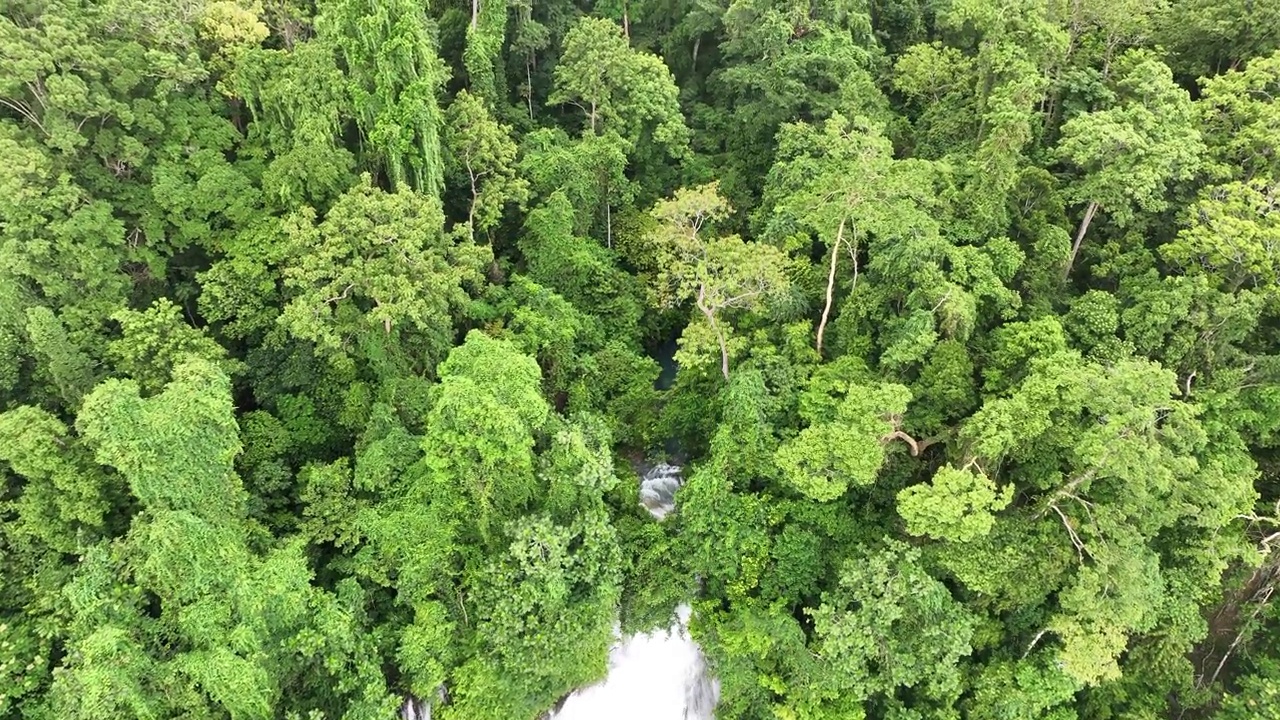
(1130, 152)
(393, 77)
(388, 250)
(717, 273)
(480, 153)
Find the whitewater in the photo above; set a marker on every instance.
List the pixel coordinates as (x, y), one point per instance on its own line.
(652, 676)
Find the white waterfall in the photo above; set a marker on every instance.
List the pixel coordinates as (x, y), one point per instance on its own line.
(652, 676)
(414, 709)
(658, 488)
(659, 675)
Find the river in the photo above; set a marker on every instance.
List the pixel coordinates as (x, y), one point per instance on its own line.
(652, 676)
(659, 675)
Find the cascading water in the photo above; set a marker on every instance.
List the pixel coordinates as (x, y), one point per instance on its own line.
(658, 488)
(652, 676)
(659, 675)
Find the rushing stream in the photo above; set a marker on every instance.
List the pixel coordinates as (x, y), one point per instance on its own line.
(652, 676)
(658, 675)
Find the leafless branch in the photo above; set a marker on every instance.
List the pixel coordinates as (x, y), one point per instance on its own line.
(1075, 538)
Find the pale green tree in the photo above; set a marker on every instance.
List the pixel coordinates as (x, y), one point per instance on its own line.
(957, 505)
(718, 273)
(480, 155)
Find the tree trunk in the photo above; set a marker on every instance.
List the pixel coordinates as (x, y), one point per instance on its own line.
(831, 284)
(1084, 228)
(471, 210)
(475, 13)
(608, 224)
(528, 78)
(711, 318)
(626, 20)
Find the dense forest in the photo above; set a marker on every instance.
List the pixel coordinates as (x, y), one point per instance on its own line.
(333, 333)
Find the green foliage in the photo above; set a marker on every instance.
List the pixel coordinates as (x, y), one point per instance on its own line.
(481, 153)
(333, 337)
(887, 625)
(393, 75)
(157, 340)
(956, 506)
(719, 274)
(482, 57)
(175, 449)
(378, 263)
(579, 269)
(1128, 153)
(63, 500)
(845, 446)
(67, 365)
(1231, 234)
(589, 172)
(618, 88)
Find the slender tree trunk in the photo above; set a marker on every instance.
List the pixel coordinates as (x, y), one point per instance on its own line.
(608, 224)
(475, 13)
(471, 210)
(711, 318)
(528, 78)
(626, 20)
(831, 284)
(697, 44)
(1084, 228)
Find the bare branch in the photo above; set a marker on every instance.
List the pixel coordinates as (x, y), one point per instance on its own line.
(25, 112)
(1075, 539)
(346, 292)
(1033, 642)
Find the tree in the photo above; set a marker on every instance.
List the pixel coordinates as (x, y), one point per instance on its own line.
(1131, 151)
(1233, 235)
(957, 505)
(889, 625)
(780, 63)
(579, 269)
(482, 57)
(840, 183)
(1139, 469)
(628, 97)
(546, 609)
(156, 341)
(383, 251)
(1205, 38)
(590, 172)
(618, 88)
(719, 274)
(844, 443)
(330, 339)
(1238, 120)
(70, 369)
(393, 75)
(297, 98)
(481, 153)
(63, 499)
(189, 548)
